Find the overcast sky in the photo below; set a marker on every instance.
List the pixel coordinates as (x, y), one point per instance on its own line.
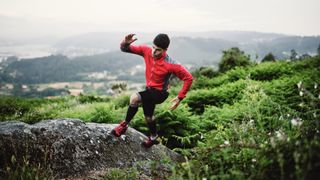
(23, 18)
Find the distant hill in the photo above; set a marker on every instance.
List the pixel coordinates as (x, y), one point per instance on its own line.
(110, 40)
(62, 69)
(197, 47)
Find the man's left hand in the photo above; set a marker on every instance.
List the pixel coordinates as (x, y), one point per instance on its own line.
(175, 103)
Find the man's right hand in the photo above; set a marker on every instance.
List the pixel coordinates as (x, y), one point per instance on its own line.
(129, 39)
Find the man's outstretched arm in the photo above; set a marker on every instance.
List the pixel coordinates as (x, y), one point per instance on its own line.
(126, 46)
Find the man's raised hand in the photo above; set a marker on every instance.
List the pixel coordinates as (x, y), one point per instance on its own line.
(129, 39)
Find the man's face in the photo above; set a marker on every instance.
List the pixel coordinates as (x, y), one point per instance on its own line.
(157, 52)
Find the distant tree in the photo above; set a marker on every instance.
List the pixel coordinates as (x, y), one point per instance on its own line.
(118, 88)
(269, 58)
(233, 57)
(205, 71)
(294, 55)
(318, 50)
(304, 56)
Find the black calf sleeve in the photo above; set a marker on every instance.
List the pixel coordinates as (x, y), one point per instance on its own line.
(132, 110)
(152, 127)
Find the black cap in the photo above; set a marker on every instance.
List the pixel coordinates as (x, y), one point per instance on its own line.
(162, 41)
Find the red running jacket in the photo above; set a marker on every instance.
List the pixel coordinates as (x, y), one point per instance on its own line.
(158, 71)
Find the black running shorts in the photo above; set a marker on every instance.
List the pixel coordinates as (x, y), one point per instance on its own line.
(150, 97)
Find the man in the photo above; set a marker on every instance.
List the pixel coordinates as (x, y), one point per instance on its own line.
(159, 67)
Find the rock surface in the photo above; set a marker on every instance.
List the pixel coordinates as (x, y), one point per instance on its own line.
(70, 147)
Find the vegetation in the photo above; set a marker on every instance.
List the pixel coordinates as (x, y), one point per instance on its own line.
(269, 57)
(232, 58)
(251, 121)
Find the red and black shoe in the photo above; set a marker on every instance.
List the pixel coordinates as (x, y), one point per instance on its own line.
(148, 143)
(120, 129)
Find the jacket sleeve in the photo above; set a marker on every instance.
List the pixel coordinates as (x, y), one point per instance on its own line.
(139, 50)
(185, 76)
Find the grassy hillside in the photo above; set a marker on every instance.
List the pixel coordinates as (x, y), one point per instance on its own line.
(256, 122)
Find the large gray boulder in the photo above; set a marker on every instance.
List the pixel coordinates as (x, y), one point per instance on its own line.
(70, 147)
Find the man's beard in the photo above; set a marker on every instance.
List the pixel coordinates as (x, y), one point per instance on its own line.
(156, 57)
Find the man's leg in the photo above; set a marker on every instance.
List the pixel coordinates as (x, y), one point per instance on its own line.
(135, 99)
(152, 139)
(148, 109)
(152, 124)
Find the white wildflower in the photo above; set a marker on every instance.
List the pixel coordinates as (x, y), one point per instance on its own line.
(299, 84)
(296, 121)
(301, 93)
(280, 135)
(253, 160)
(226, 143)
(288, 115)
(201, 136)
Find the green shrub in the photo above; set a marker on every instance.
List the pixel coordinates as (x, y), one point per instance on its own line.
(219, 96)
(105, 114)
(121, 101)
(230, 76)
(91, 99)
(14, 108)
(270, 71)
